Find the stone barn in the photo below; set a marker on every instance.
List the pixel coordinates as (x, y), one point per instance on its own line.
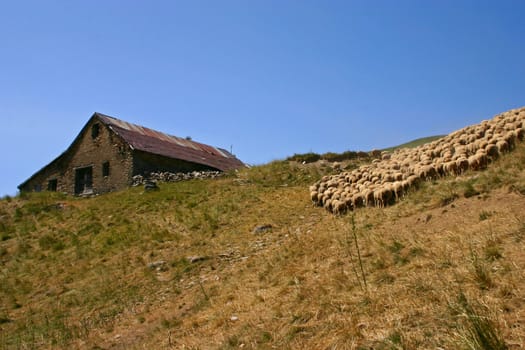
(108, 152)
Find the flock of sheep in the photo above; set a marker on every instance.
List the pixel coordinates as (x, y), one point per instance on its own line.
(387, 179)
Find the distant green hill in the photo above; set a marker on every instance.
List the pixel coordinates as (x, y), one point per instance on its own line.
(353, 155)
(415, 143)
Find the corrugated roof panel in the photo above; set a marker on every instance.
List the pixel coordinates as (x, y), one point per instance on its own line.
(222, 152)
(156, 142)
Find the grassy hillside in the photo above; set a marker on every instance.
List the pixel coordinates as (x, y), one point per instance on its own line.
(247, 261)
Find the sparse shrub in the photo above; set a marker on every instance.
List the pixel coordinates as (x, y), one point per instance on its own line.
(492, 250)
(470, 190)
(337, 157)
(174, 322)
(482, 273)
(520, 231)
(396, 338)
(305, 157)
(265, 337)
(375, 154)
(18, 214)
(518, 187)
(48, 242)
(349, 155)
(351, 166)
(448, 198)
(234, 341)
(26, 228)
(91, 228)
(45, 204)
(24, 195)
(211, 217)
(182, 266)
(4, 234)
(445, 262)
(328, 156)
(394, 341)
(163, 235)
(4, 319)
(396, 248)
(479, 330)
(416, 251)
(379, 263)
(484, 215)
(385, 278)
(420, 286)
(331, 157)
(22, 247)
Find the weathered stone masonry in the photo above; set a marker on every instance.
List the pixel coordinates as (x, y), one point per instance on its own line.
(108, 152)
(87, 154)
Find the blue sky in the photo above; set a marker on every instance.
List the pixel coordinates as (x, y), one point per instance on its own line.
(268, 78)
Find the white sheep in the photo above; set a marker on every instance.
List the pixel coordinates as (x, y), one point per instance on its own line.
(387, 179)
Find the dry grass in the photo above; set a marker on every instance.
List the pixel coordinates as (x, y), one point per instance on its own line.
(417, 275)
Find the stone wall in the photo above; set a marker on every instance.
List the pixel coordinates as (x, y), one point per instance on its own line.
(138, 180)
(39, 182)
(94, 152)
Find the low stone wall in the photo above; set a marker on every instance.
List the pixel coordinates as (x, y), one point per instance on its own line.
(139, 180)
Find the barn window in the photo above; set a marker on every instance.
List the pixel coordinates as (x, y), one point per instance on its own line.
(52, 185)
(95, 130)
(105, 169)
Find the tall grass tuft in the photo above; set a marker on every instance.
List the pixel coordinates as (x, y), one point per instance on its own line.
(482, 273)
(479, 332)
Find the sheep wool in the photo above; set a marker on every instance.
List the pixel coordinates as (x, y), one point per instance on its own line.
(386, 180)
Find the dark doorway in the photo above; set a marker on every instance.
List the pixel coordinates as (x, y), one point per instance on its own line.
(84, 180)
(52, 185)
(105, 169)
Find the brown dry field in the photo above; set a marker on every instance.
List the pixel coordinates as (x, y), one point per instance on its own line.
(375, 278)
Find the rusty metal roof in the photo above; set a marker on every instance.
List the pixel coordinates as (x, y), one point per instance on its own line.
(159, 143)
